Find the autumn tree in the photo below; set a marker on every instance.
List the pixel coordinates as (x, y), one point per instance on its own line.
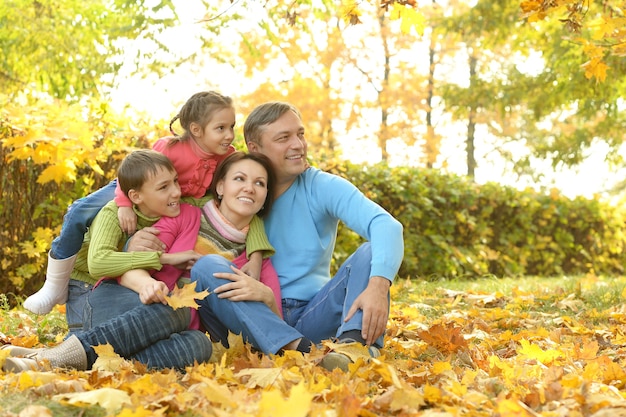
(64, 47)
(340, 75)
(599, 27)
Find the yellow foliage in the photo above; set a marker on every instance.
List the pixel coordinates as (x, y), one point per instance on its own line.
(409, 18)
(533, 352)
(349, 11)
(298, 404)
(521, 372)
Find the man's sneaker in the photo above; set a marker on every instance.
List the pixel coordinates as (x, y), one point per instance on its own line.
(334, 360)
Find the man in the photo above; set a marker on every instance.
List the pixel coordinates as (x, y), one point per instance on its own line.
(353, 306)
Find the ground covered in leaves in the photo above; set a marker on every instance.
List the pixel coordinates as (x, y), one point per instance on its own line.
(531, 347)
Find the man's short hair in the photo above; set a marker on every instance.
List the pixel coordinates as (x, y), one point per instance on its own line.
(139, 166)
(264, 115)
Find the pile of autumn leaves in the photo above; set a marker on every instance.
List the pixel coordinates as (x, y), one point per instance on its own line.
(454, 353)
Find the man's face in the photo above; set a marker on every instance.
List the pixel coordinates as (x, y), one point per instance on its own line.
(284, 144)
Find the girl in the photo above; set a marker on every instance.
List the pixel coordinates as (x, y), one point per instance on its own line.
(208, 120)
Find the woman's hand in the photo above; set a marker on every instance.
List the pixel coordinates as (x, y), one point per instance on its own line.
(244, 288)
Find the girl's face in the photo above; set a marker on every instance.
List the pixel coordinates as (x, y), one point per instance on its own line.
(218, 134)
(159, 195)
(243, 191)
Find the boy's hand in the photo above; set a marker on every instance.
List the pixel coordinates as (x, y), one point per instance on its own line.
(154, 292)
(253, 266)
(127, 219)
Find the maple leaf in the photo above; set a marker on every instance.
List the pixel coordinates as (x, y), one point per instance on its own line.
(108, 360)
(108, 398)
(445, 337)
(353, 350)
(185, 296)
(514, 408)
(532, 351)
(404, 397)
(218, 393)
(264, 377)
(298, 404)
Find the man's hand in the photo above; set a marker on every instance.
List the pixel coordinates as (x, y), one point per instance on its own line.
(145, 240)
(254, 265)
(374, 302)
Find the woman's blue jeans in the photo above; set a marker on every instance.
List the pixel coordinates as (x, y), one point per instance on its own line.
(77, 220)
(320, 318)
(153, 334)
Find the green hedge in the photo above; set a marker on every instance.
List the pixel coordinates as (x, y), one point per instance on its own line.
(456, 228)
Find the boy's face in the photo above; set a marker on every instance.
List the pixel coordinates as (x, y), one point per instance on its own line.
(159, 195)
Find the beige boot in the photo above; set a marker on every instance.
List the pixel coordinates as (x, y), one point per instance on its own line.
(54, 290)
(20, 351)
(69, 354)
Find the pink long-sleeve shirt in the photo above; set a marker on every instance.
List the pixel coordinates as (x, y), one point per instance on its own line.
(194, 166)
(180, 233)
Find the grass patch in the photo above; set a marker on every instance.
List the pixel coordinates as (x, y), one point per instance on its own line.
(569, 296)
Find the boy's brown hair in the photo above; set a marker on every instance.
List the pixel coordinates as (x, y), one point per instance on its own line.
(139, 166)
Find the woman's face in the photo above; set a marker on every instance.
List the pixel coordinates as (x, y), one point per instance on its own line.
(243, 191)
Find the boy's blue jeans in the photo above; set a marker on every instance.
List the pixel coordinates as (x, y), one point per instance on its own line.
(318, 319)
(78, 219)
(75, 305)
(153, 334)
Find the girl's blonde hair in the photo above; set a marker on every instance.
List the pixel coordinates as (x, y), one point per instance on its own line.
(199, 109)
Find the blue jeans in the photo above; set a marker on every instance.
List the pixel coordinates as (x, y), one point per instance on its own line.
(317, 319)
(75, 305)
(78, 219)
(153, 334)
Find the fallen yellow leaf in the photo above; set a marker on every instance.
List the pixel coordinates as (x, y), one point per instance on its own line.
(185, 296)
(108, 398)
(108, 360)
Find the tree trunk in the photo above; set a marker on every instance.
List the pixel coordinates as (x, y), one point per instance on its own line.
(471, 124)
